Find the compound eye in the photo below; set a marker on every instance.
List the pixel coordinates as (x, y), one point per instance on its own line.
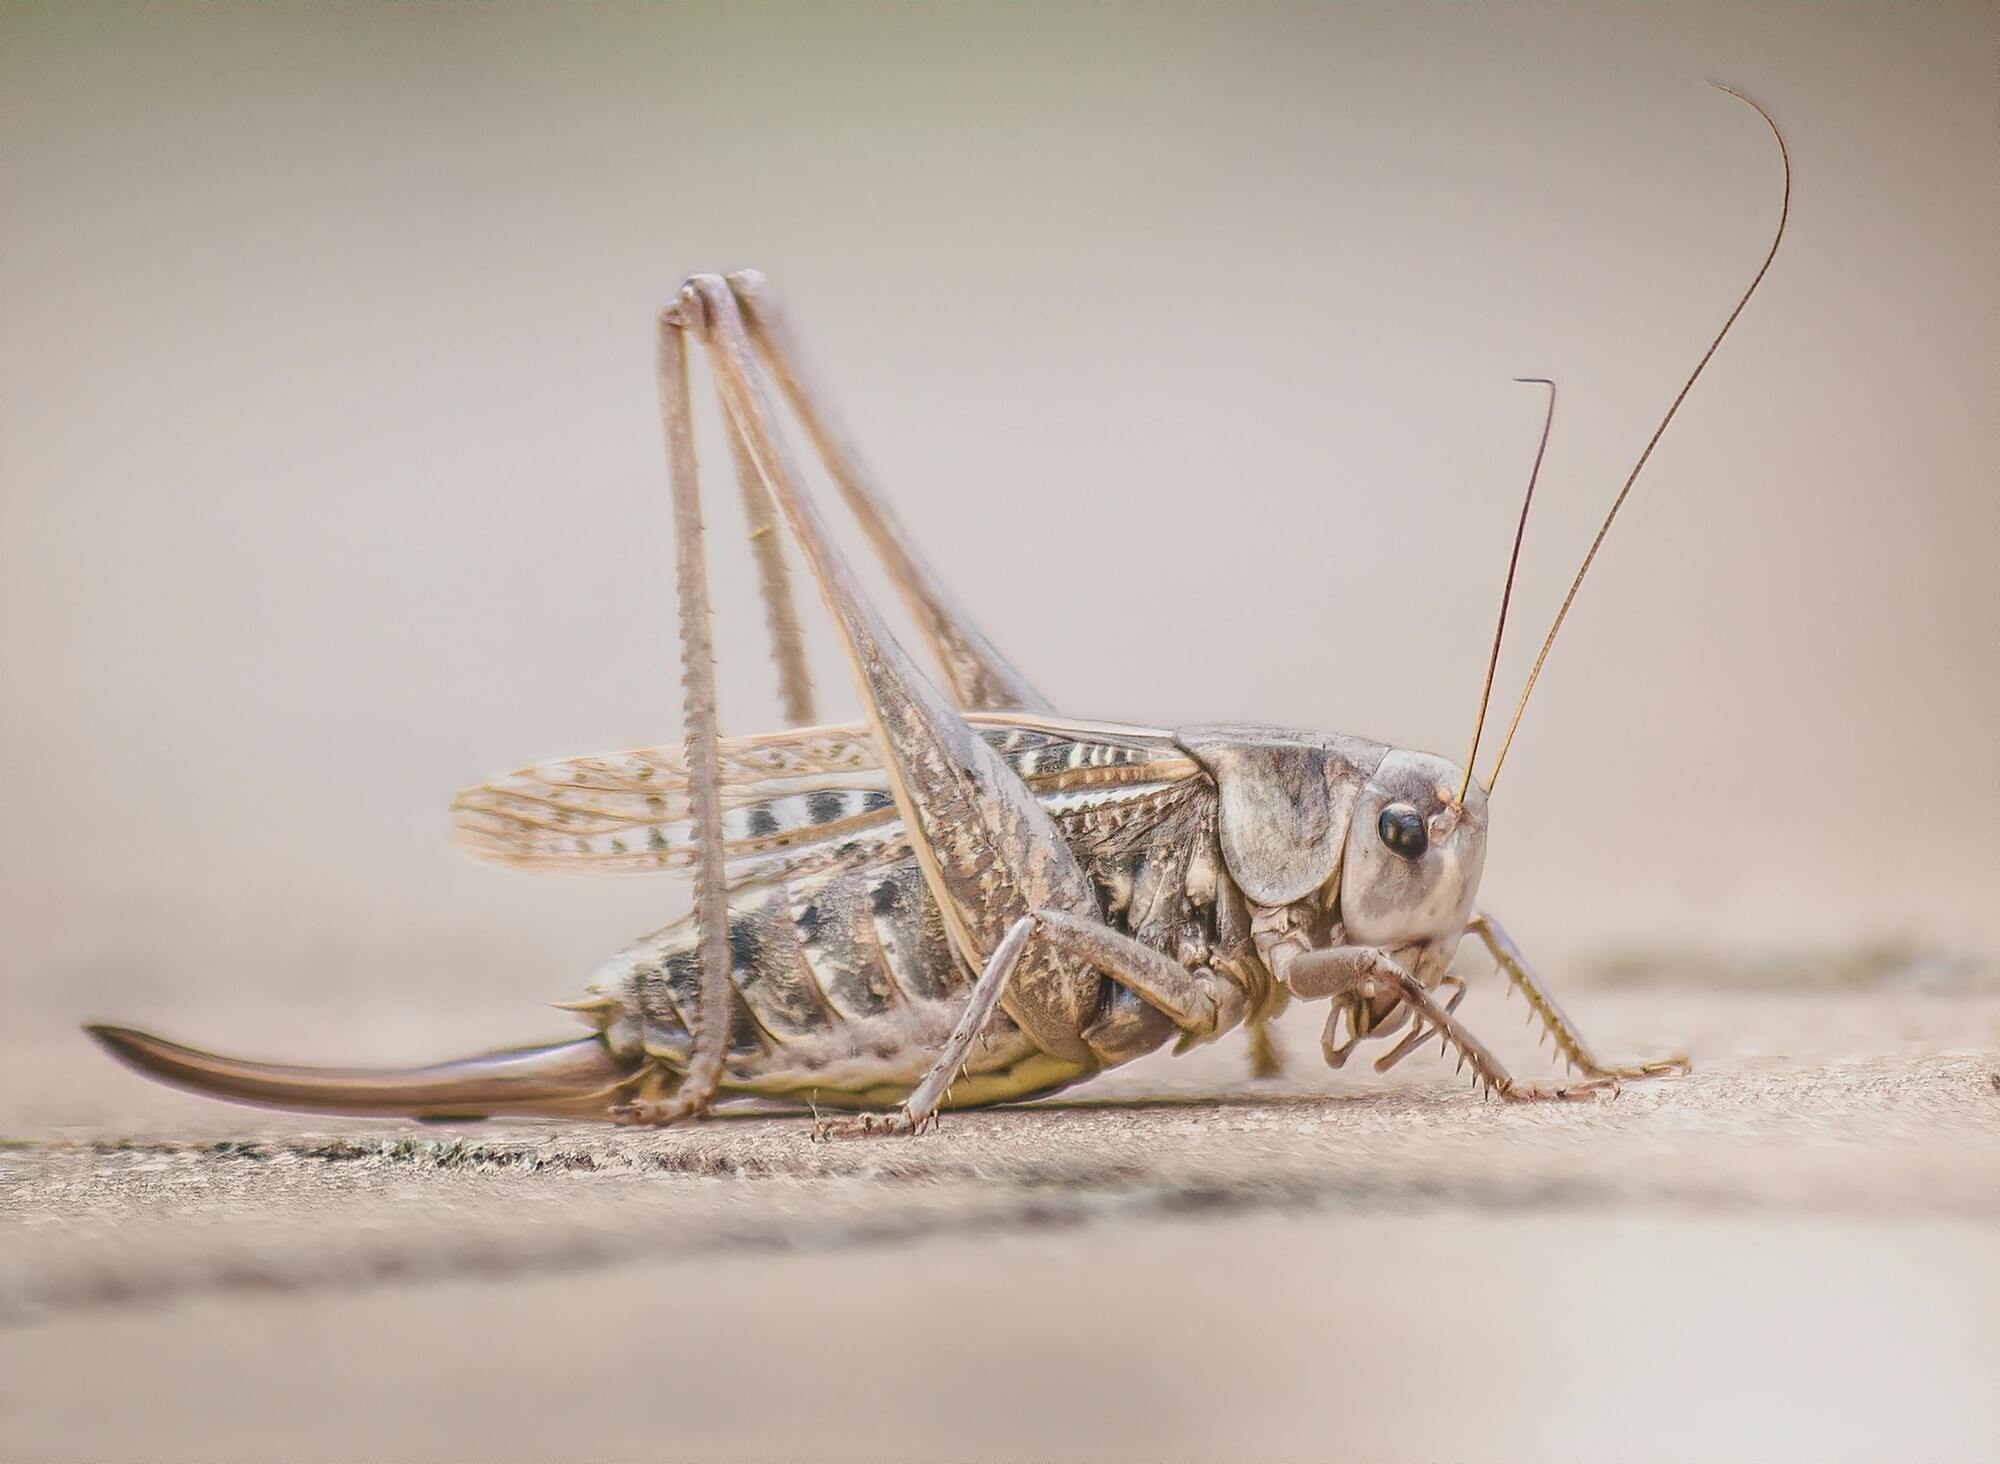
(1403, 831)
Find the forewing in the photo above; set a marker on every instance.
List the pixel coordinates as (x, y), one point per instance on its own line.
(629, 812)
(814, 798)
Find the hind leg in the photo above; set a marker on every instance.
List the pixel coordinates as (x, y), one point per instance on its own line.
(979, 677)
(990, 853)
(711, 1035)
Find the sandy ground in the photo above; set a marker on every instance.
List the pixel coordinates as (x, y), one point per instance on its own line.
(1792, 1253)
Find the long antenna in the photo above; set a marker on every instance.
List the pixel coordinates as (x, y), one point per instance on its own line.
(1507, 590)
(1784, 212)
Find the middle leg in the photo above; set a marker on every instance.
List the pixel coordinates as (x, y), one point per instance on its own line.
(1201, 1002)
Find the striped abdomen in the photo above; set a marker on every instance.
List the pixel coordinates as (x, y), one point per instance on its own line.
(846, 985)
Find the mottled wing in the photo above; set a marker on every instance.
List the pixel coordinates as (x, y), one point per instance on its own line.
(630, 812)
(814, 798)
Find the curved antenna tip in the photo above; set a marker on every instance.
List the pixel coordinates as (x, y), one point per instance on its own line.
(1590, 557)
(1758, 107)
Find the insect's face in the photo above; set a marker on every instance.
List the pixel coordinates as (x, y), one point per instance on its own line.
(1413, 858)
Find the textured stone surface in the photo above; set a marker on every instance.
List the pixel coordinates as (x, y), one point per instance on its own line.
(1790, 1252)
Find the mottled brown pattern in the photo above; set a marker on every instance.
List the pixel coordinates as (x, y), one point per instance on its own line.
(843, 951)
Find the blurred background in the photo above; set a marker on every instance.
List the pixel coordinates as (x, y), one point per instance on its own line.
(1181, 337)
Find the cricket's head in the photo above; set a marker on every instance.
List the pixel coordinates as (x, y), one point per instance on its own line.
(1339, 841)
(1414, 853)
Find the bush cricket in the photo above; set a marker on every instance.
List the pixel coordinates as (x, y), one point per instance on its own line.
(967, 899)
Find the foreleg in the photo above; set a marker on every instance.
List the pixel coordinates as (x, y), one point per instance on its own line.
(1369, 973)
(1569, 1042)
(1419, 1033)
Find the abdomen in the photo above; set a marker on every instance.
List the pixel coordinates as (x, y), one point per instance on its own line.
(845, 991)
(846, 985)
